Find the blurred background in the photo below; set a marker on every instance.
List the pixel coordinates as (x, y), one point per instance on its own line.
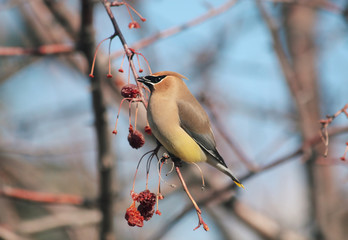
(265, 71)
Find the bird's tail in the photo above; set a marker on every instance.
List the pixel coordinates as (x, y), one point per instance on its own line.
(225, 170)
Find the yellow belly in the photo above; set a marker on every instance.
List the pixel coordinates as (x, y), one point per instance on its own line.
(184, 147)
(166, 128)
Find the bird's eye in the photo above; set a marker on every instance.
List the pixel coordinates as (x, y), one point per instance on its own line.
(155, 79)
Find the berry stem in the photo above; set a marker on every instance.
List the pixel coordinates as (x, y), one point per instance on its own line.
(95, 56)
(135, 11)
(121, 69)
(198, 210)
(119, 110)
(147, 62)
(130, 113)
(135, 176)
(345, 153)
(129, 66)
(130, 14)
(109, 74)
(136, 116)
(128, 52)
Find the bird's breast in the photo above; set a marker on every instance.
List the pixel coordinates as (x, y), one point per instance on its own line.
(164, 121)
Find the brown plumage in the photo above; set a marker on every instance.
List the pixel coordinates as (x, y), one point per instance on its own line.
(180, 123)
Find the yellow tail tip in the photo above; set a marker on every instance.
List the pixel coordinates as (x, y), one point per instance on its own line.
(239, 184)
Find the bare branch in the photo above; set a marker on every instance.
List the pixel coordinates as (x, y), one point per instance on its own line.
(289, 74)
(199, 212)
(174, 30)
(127, 50)
(323, 4)
(231, 187)
(42, 197)
(265, 226)
(6, 234)
(230, 141)
(74, 218)
(105, 160)
(51, 49)
(325, 123)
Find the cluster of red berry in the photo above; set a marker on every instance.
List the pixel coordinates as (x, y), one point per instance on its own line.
(130, 91)
(135, 138)
(134, 217)
(146, 209)
(147, 202)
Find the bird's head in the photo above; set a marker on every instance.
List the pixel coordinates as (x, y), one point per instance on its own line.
(160, 78)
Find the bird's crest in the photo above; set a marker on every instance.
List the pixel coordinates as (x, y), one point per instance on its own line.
(169, 73)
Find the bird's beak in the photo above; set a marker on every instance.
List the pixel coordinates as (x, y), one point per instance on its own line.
(142, 80)
(146, 81)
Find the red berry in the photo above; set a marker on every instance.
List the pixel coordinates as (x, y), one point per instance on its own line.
(148, 130)
(147, 201)
(160, 196)
(136, 139)
(134, 196)
(130, 91)
(146, 211)
(133, 24)
(147, 198)
(134, 217)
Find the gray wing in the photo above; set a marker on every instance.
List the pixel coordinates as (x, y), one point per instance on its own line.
(194, 120)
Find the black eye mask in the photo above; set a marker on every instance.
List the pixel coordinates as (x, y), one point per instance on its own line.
(155, 79)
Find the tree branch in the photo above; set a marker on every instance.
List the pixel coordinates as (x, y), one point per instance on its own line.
(229, 140)
(128, 52)
(232, 187)
(105, 161)
(43, 197)
(263, 225)
(6, 234)
(174, 30)
(70, 219)
(50, 49)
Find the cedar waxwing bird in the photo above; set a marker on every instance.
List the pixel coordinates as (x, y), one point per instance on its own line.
(179, 122)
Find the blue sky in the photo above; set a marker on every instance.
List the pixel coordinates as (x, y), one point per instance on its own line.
(247, 83)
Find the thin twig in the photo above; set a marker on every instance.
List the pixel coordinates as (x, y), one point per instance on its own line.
(230, 141)
(265, 226)
(231, 187)
(325, 123)
(42, 197)
(42, 50)
(128, 52)
(174, 30)
(7, 234)
(322, 4)
(73, 218)
(288, 71)
(199, 212)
